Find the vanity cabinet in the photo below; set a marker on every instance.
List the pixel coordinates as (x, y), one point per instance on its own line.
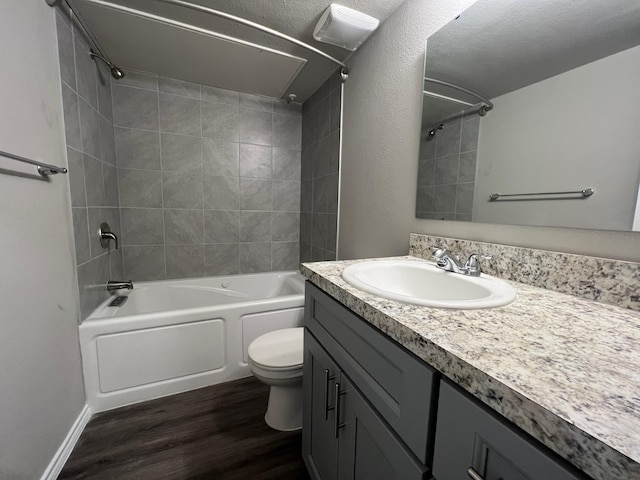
(367, 401)
(370, 412)
(474, 442)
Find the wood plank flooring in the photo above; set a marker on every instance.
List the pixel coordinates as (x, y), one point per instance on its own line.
(216, 432)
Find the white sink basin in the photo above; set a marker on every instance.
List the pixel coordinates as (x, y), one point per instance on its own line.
(422, 283)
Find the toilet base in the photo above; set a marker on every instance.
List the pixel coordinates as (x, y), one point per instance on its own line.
(284, 411)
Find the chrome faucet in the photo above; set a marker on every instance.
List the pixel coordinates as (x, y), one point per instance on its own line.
(114, 285)
(449, 262)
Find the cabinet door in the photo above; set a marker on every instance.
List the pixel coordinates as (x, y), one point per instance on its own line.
(367, 448)
(472, 442)
(319, 442)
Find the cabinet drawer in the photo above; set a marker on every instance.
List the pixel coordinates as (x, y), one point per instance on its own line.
(469, 435)
(397, 384)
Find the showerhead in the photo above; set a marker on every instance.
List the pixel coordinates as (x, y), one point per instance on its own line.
(432, 133)
(116, 72)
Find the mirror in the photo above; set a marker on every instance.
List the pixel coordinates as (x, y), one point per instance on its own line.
(529, 106)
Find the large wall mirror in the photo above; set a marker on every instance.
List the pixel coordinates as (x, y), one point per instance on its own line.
(531, 115)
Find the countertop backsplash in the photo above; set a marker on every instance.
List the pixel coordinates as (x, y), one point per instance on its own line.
(601, 279)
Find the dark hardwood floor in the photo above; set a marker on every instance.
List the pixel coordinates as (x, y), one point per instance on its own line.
(216, 433)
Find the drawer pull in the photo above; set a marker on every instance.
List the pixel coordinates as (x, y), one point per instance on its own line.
(337, 424)
(327, 379)
(473, 475)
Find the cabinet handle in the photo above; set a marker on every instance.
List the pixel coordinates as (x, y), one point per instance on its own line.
(337, 424)
(327, 379)
(473, 475)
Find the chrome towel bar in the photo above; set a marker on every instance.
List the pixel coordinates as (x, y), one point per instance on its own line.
(587, 192)
(43, 168)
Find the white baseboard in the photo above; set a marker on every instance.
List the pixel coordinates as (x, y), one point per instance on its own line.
(62, 455)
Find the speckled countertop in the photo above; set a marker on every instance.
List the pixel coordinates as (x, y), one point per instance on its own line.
(564, 369)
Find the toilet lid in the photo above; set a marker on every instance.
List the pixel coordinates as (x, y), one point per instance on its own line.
(278, 349)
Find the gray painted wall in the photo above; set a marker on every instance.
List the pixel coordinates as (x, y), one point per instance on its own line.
(320, 172)
(381, 127)
(41, 375)
(209, 179)
(88, 116)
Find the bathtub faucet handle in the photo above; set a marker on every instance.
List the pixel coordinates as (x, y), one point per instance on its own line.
(117, 285)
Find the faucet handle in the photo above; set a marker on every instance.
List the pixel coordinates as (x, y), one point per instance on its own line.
(473, 264)
(438, 253)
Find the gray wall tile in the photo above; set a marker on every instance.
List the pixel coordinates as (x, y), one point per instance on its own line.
(65, 52)
(286, 196)
(285, 226)
(140, 188)
(90, 129)
(221, 226)
(181, 153)
(137, 149)
(255, 226)
(107, 142)
(179, 115)
(111, 192)
(182, 190)
(135, 108)
(283, 108)
(255, 161)
(92, 284)
(185, 261)
(222, 259)
(116, 265)
(220, 121)
(94, 181)
(105, 102)
(221, 193)
(470, 131)
(183, 227)
(85, 73)
(426, 172)
(285, 256)
(179, 87)
(219, 95)
(133, 78)
(464, 198)
(467, 169)
(144, 263)
(255, 127)
(286, 164)
(255, 257)
(142, 226)
(71, 117)
(220, 158)
(81, 235)
(255, 194)
(287, 132)
(76, 178)
(256, 102)
(448, 140)
(334, 113)
(444, 198)
(446, 170)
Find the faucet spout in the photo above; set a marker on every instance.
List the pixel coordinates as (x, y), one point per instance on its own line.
(118, 285)
(448, 262)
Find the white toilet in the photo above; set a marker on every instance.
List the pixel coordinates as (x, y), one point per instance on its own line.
(275, 358)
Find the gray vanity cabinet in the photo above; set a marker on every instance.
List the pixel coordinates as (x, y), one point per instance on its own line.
(350, 441)
(384, 397)
(474, 443)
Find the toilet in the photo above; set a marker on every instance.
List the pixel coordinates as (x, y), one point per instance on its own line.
(275, 358)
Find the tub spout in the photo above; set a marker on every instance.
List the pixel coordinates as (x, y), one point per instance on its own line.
(117, 285)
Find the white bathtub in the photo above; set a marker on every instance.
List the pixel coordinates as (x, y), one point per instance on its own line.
(177, 335)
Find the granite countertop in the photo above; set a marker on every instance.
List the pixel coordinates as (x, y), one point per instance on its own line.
(564, 369)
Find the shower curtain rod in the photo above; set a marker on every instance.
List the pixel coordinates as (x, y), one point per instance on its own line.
(488, 105)
(200, 8)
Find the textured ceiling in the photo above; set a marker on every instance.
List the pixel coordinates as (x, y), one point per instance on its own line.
(295, 18)
(497, 46)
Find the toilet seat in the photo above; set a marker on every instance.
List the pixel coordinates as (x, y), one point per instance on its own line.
(280, 350)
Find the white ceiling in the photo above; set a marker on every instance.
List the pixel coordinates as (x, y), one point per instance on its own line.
(497, 46)
(135, 43)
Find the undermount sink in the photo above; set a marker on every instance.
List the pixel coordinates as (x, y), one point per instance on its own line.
(422, 283)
